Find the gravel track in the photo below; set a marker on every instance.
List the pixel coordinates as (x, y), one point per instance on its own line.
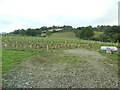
(94, 71)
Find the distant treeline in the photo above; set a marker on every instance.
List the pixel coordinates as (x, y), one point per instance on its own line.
(44, 29)
(109, 33)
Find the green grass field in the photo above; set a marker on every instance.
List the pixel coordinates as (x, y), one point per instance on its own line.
(71, 35)
(68, 35)
(10, 58)
(97, 34)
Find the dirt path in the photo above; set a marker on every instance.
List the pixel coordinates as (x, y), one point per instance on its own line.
(93, 71)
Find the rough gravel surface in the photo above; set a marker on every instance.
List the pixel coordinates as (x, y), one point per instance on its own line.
(93, 71)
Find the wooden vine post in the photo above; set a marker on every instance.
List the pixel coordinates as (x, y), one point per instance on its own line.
(47, 47)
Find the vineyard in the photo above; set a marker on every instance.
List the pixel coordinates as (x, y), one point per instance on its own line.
(36, 62)
(27, 42)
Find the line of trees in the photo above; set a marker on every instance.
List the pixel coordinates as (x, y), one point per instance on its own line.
(110, 33)
(28, 32)
(44, 29)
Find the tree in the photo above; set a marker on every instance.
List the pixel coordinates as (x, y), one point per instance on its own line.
(68, 28)
(22, 32)
(44, 28)
(104, 38)
(116, 38)
(113, 32)
(16, 32)
(33, 32)
(85, 33)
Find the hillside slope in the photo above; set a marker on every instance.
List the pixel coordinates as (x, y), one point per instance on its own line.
(69, 35)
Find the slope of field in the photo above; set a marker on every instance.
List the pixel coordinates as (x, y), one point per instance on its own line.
(69, 35)
(97, 34)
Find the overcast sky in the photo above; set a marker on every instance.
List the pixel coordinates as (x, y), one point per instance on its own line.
(18, 14)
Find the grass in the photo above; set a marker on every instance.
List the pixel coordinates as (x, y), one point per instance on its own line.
(71, 61)
(69, 35)
(110, 56)
(97, 34)
(48, 58)
(66, 59)
(10, 58)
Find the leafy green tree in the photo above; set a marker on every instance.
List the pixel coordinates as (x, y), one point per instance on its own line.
(104, 38)
(68, 28)
(85, 33)
(16, 32)
(113, 32)
(33, 32)
(22, 32)
(44, 28)
(116, 38)
(77, 31)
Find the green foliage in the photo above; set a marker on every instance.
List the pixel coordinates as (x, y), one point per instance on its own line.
(112, 32)
(104, 38)
(116, 37)
(16, 32)
(28, 32)
(85, 33)
(33, 32)
(102, 33)
(68, 28)
(22, 32)
(44, 29)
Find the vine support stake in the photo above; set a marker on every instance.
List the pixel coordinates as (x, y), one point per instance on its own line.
(47, 47)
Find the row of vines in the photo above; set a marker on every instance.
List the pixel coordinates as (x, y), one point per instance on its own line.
(20, 42)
